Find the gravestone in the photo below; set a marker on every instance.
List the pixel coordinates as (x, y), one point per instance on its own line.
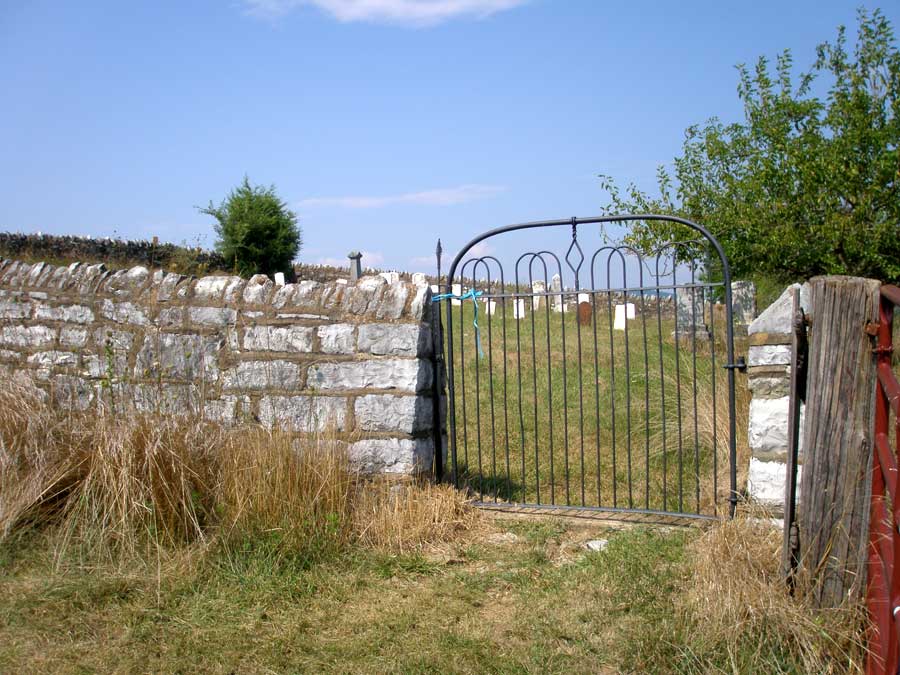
(418, 278)
(538, 286)
(456, 290)
(689, 320)
(519, 310)
(355, 265)
(556, 285)
(490, 306)
(743, 303)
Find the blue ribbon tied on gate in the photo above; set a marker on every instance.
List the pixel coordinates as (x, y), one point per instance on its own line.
(472, 295)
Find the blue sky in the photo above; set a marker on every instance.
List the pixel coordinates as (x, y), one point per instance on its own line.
(383, 123)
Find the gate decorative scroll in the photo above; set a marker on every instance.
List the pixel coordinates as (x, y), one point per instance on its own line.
(593, 381)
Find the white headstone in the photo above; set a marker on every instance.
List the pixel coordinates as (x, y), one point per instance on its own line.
(619, 318)
(279, 278)
(630, 312)
(490, 306)
(519, 309)
(537, 287)
(584, 297)
(435, 289)
(418, 278)
(456, 289)
(556, 285)
(342, 282)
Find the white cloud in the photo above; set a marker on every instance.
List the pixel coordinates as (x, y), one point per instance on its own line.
(406, 12)
(369, 259)
(440, 197)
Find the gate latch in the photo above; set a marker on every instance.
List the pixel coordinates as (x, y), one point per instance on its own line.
(741, 365)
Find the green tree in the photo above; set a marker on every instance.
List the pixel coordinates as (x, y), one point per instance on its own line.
(258, 234)
(805, 185)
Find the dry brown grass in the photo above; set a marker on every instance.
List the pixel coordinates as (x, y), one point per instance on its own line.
(129, 485)
(735, 589)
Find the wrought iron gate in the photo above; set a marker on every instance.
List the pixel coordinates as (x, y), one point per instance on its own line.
(592, 383)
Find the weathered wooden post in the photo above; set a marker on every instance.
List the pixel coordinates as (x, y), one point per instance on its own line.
(835, 485)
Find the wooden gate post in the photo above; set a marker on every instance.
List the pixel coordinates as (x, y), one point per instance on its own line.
(835, 486)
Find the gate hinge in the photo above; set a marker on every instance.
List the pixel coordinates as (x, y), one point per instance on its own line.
(883, 350)
(740, 365)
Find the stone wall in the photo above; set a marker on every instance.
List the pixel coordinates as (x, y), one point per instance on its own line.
(350, 359)
(769, 373)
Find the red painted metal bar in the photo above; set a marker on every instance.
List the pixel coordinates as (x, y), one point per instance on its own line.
(883, 593)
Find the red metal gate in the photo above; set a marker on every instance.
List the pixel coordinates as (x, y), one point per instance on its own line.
(883, 594)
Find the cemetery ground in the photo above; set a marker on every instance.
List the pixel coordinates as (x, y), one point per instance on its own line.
(139, 543)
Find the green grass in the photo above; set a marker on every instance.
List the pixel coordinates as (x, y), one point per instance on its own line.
(538, 602)
(538, 423)
(541, 604)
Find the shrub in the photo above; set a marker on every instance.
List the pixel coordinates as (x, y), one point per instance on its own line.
(258, 234)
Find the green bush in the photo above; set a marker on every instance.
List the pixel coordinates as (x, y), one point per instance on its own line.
(258, 234)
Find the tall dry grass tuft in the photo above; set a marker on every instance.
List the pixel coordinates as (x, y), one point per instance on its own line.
(401, 518)
(736, 603)
(271, 484)
(130, 485)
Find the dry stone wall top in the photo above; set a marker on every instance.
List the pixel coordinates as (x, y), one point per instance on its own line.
(350, 359)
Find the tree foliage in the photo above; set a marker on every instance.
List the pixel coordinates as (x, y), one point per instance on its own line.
(807, 183)
(258, 234)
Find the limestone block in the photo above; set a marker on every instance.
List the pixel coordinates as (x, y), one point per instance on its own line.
(210, 289)
(421, 306)
(258, 289)
(304, 413)
(256, 375)
(53, 358)
(769, 386)
(768, 431)
(307, 293)
(170, 317)
(11, 309)
(179, 399)
(117, 340)
(107, 365)
(37, 337)
(364, 296)
(284, 295)
(183, 357)
(337, 338)
(387, 339)
(90, 278)
(166, 289)
(216, 317)
(71, 392)
(410, 375)
(777, 317)
(278, 339)
(226, 410)
(766, 482)
(392, 455)
(390, 277)
(769, 355)
(404, 414)
(67, 313)
(234, 290)
(123, 312)
(392, 302)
